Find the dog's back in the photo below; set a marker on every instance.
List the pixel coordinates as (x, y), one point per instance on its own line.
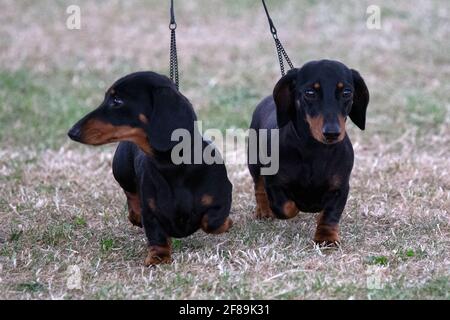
(264, 116)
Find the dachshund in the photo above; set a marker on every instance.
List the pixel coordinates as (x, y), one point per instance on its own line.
(309, 107)
(167, 199)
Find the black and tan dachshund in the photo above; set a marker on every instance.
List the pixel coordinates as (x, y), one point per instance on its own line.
(169, 200)
(310, 106)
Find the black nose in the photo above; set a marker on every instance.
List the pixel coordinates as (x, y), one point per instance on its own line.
(331, 132)
(75, 134)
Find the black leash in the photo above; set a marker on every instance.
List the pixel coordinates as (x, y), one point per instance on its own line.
(280, 49)
(173, 47)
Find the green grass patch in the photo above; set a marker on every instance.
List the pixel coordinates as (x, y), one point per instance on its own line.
(230, 108)
(378, 260)
(107, 244)
(38, 110)
(31, 287)
(425, 111)
(176, 244)
(109, 291)
(15, 235)
(407, 254)
(79, 222)
(57, 234)
(437, 288)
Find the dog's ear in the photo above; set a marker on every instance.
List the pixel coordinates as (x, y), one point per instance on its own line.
(283, 95)
(360, 101)
(171, 111)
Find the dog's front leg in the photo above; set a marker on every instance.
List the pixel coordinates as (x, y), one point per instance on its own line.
(159, 243)
(327, 231)
(281, 205)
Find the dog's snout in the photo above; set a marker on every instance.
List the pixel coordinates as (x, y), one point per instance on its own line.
(331, 131)
(75, 133)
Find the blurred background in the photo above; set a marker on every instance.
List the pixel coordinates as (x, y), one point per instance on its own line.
(227, 58)
(60, 206)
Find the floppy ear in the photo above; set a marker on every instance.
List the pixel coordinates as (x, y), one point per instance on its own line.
(171, 111)
(360, 101)
(283, 94)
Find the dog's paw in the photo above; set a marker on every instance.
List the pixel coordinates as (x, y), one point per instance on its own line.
(158, 255)
(290, 209)
(327, 236)
(134, 218)
(225, 227)
(134, 209)
(264, 213)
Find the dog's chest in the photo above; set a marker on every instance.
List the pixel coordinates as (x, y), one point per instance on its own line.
(305, 182)
(177, 196)
(180, 191)
(305, 174)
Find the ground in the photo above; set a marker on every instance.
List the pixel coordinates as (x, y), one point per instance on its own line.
(63, 215)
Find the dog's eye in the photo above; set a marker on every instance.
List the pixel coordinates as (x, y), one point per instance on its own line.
(310, 94)
(347, 93)
(117, 102)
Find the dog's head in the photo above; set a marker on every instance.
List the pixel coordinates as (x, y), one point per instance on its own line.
(144, 108)
(320, 95)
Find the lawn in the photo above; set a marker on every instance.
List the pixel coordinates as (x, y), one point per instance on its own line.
(61, 210)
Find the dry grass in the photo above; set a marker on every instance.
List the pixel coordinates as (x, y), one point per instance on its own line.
(60, 207)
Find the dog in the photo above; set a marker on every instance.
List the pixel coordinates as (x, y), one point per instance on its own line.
(141, 110)
(310, 106)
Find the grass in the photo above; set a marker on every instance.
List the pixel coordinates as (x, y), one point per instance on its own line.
(378, 260)
(31, 287)
(231, 108)
(60, 206)
(425, 111)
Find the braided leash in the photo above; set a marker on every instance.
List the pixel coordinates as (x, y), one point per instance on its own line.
(173, 48)
(280, 49)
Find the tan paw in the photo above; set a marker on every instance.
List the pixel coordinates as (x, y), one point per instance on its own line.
(264, 213)
(158, 255)
(134, 209)
(263, 210)
(225, 227)
(290, 209)
(135, 218)
(327, 235)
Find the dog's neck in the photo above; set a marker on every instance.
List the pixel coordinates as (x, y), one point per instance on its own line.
(163, 159)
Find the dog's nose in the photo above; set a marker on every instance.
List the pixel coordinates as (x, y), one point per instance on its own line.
(75, 134)
(331, 132)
